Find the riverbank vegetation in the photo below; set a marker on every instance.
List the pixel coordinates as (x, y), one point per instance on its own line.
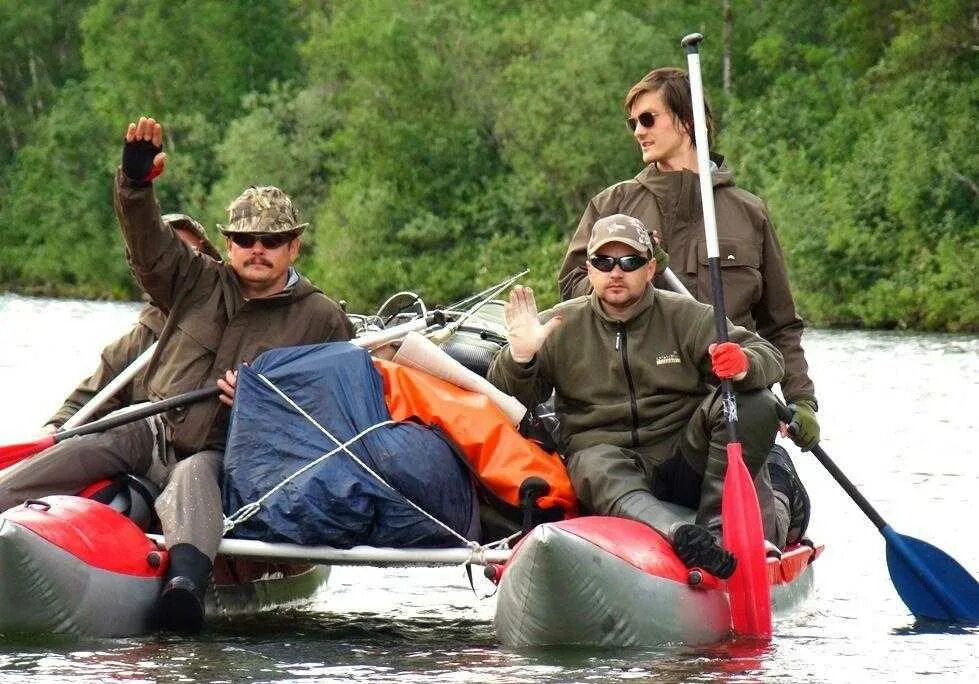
(439, 146)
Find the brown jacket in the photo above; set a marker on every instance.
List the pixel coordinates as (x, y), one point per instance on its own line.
(629, 384)
(211, 327)
(116, 357)
(756, 284)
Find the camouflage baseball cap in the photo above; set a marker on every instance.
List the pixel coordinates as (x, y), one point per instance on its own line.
(263, 210)
(620, 228)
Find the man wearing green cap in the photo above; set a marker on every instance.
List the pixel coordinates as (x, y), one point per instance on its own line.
(665, 195)
(221, 314)
(634, 373)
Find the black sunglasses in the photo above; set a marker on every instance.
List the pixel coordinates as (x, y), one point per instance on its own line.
(248, 240)
(647, 119)
(628, 263)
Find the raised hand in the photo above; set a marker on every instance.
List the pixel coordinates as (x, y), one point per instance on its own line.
(524, 331)
(143, 158)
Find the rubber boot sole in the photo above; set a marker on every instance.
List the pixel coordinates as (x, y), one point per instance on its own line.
(697, 547)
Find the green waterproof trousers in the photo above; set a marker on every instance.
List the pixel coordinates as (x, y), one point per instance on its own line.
(686, 469)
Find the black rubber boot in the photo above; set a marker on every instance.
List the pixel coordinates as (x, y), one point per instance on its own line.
(644, 507)
(712, 492)
(785, 480)
(180, 607)
(697, 547)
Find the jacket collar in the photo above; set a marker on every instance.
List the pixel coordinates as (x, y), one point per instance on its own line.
(664, 183)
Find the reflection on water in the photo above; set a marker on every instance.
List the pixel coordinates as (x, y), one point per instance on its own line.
(898, 415)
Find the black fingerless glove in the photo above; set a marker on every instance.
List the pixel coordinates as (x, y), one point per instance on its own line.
(137, 160)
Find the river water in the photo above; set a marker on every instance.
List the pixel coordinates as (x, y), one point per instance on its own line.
(899, 416)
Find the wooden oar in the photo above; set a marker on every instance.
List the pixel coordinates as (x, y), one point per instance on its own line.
(932, 584)
(13, 453)
(751, 607)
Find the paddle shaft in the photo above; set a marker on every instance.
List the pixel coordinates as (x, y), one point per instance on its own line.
(691, 44)
(365, 342)
(751, 610)
(110, 390)
(369, 341)
(786, 415)
(139, 413)
(14, 453)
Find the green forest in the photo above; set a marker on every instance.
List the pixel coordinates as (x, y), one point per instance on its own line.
(439, 145)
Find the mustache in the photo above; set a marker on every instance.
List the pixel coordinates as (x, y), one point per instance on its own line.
(258, 260)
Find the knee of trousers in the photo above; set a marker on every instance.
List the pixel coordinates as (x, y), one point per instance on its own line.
(758, 422)
(190, 469)
(602, 474)
(197, 473)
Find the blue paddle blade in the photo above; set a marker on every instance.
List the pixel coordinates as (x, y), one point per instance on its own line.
(930, 582)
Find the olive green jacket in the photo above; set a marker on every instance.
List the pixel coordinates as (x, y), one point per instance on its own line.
(629, 384)
(211, 327)
(116, 357)
(756, 284)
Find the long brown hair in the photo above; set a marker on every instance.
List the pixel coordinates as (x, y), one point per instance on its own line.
(674, 85)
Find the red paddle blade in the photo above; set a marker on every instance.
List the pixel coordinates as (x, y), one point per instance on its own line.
(15, 453)
(751, 606)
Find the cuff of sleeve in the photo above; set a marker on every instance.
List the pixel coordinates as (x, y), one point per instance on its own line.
(811, 400)
(125, 182)
(755, 378)
(517, 369)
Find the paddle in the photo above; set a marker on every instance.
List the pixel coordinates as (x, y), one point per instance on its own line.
(110, 389)
(932, 584)
(13, 453)
(751, 608)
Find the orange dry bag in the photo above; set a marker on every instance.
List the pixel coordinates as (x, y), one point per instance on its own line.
(522, 481)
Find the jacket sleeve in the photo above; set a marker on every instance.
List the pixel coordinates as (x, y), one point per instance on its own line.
(161, 263)
(116, 357)
(765, 365)
(338, 328)
(777, 321)
(573, 277)
(526, 382)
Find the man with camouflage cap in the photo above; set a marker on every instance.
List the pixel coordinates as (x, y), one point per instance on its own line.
(221, 314)
(633, 370)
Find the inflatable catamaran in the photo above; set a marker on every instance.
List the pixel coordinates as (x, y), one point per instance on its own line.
(336, 458)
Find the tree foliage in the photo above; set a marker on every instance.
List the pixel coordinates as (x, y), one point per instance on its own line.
(440, 146)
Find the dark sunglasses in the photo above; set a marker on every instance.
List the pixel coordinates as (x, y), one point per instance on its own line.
(628, 263)
(647, 119)
(248, 240)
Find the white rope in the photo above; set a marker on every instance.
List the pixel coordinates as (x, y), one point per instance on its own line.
(503, 543)
(249, 510)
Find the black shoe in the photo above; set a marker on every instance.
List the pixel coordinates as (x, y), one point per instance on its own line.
(180, 607)
(786, 480)
(697, 547)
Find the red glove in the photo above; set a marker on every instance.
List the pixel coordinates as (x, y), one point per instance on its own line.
(728, 360)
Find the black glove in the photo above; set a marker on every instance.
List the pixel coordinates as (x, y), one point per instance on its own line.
(137, 160)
